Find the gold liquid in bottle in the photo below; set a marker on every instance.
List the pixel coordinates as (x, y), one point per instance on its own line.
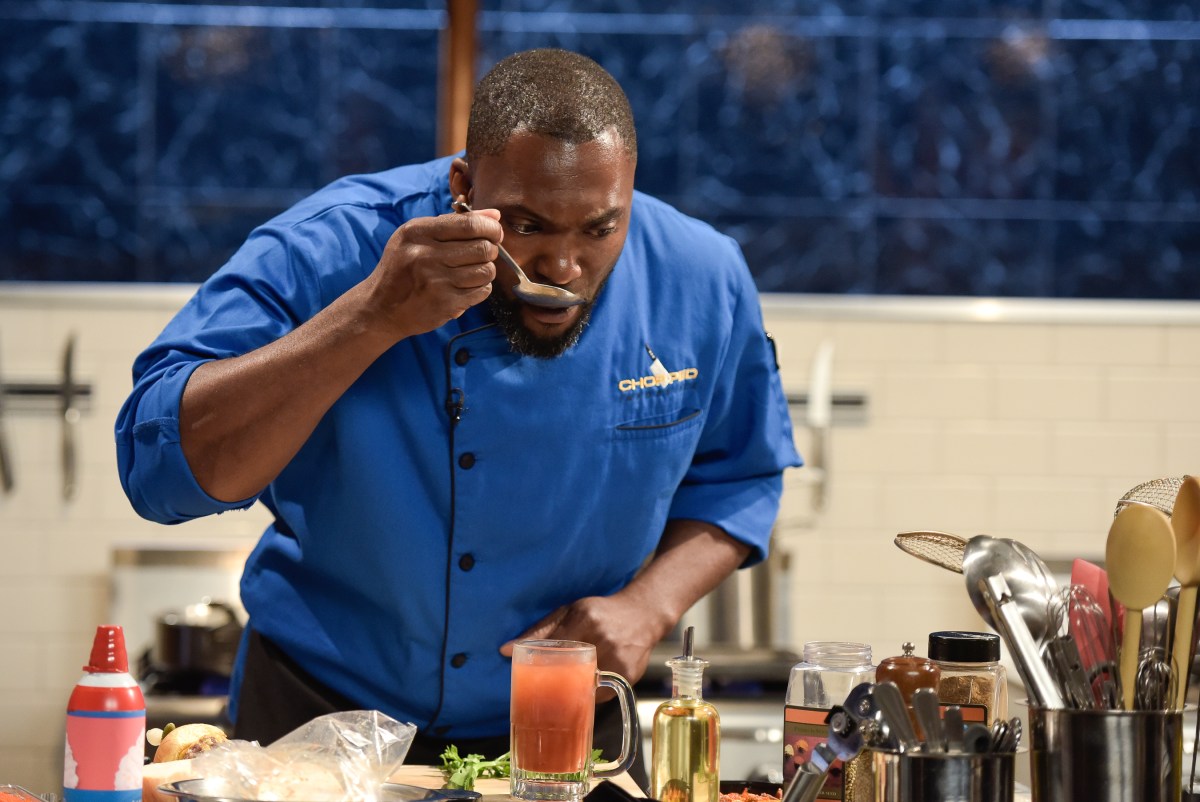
(686, 736)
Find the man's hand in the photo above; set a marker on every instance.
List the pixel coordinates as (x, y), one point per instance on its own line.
(692, 558)
(433, 269)
(616, 625)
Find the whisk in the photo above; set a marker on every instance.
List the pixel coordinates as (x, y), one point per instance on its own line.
(1075, 611)
(1155, 681)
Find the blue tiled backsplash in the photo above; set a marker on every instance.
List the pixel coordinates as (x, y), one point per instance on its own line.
(951, 147)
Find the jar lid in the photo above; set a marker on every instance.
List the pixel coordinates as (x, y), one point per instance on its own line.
(964, 647)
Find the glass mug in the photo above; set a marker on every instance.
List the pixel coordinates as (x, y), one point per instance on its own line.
(554, 684)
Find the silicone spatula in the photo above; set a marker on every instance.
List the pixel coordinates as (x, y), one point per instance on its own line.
(1095, 579)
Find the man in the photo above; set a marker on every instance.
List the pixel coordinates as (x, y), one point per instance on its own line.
(451, 469)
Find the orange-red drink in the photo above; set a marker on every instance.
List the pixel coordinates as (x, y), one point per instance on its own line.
(554, 685)
(553, 707)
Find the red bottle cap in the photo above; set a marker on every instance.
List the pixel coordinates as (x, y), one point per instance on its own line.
(108, 651)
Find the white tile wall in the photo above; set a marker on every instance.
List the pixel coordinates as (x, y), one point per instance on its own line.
(1024, 420)
(55, 555)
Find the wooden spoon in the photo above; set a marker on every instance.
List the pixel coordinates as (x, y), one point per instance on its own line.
(1185, 522)
(1140, 558)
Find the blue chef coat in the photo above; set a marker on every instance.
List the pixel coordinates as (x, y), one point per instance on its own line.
(458, 492)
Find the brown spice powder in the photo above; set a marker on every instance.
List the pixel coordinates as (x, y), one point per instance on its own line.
(965, 689)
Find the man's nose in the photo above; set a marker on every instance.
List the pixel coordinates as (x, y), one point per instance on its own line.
(560, 264)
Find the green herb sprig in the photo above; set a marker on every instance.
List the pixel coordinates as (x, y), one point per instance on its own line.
(462, 772)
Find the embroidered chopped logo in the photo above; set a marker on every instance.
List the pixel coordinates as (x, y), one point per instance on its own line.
(657, 380)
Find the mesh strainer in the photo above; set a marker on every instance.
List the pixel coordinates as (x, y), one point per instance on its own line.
(1157, 493)
(937, 548)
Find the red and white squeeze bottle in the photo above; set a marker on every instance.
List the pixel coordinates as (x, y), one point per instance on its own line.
(106, 727)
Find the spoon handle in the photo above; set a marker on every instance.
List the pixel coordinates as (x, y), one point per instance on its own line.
(895, 714)
(1131, 641)
(512, 263)
(462, 207)
(1181, 660)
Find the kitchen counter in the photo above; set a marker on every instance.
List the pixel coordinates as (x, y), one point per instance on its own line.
(492, 790)
(421, 776)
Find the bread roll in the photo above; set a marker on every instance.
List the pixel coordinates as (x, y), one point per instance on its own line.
(184, 743)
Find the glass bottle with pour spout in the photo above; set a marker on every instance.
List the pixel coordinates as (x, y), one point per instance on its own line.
(686, 736)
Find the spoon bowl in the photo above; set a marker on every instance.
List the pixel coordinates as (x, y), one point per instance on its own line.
(531, 292)
(989, 556)
(1042, 574)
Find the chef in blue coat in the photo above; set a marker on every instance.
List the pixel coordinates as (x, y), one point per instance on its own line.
(450, 469)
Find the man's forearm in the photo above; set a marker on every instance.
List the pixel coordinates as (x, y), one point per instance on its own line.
(242, 419)
(693, 557)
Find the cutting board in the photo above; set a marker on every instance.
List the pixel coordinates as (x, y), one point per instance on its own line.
(492, 790)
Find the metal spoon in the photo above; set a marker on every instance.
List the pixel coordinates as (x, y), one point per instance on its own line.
(528, 291)
(952, 725)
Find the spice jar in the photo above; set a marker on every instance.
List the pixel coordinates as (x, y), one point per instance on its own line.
(910, 673)
(972, 676)
(829, 671)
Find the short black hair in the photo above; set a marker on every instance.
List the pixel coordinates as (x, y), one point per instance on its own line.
(551, 92)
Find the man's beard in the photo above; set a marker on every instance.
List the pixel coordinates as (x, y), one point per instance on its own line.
(507, 312)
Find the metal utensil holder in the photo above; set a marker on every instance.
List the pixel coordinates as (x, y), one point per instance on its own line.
(1106, 755)
(943, 777)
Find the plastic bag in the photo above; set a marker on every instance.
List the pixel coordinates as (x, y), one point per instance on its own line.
(340, 756)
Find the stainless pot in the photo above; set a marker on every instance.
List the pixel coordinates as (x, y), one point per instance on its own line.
(201, 637)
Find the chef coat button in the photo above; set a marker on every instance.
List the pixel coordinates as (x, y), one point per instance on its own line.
(462, 356)
(458, 660)
(466, 461)
(466, 562)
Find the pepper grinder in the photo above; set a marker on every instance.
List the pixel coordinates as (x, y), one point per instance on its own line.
(910, 673)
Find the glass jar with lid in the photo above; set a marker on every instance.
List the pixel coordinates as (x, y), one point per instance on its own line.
(829, 671)
(972, 676)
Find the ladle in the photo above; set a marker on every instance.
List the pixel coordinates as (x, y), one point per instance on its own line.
(1140, 557)
(1010, 559)
(1185, 523)
(1004, 591)
(528, 291)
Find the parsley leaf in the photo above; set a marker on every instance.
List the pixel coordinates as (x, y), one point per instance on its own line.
(462, 772)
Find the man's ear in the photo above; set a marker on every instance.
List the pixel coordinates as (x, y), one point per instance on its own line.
(460, 179)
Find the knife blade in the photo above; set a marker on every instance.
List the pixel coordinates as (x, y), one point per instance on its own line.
(6, 466)
(70, 419)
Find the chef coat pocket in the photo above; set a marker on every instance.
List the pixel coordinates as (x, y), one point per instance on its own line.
(671, 425)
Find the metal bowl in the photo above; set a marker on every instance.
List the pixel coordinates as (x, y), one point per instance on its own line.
(217, 790)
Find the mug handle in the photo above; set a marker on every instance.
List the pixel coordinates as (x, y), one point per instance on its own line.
(624, 690)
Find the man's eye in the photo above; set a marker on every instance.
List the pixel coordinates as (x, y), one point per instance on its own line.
(522, 228)
(604, 232)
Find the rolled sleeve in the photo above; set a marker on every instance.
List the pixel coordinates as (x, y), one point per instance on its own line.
(153, 469)
(745, 509)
